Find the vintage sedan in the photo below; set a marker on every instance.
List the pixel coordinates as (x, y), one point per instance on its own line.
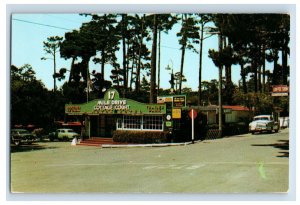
(63, 135)
(263, 123)
(19, 136)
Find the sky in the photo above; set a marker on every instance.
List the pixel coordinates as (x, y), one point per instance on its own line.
(30, 30)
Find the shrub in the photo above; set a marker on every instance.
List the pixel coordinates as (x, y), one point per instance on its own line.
(141, 137)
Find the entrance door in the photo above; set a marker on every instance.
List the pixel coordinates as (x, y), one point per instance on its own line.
(94, 126)
(107, 125)
(103, 125)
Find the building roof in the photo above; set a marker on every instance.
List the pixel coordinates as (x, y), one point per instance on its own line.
(214, 107)
(236, 107)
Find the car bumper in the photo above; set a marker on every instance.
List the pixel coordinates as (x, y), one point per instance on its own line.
(260, 129)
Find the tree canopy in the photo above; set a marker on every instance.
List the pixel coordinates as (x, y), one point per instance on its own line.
(130, 44)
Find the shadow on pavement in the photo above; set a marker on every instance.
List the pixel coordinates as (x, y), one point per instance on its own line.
(29, 147)
(281, 144)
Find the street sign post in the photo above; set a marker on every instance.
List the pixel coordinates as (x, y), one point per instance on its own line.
(193, 115)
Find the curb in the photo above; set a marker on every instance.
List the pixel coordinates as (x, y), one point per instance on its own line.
(147, 145)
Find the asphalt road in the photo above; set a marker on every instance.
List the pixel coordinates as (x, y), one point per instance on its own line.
(240, 164)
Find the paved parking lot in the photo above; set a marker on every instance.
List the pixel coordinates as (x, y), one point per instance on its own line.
(239, 164)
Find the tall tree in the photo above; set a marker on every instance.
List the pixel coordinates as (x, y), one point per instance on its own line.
(51, 47)
(106, 39)
(165, 24)
(123, 25)
(188, 36)
(204, 19)
(141, 36)
(79, 44)
(70, 48)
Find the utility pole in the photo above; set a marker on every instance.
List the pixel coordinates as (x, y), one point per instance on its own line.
(54, 69)
(153, 93)
(220, 87)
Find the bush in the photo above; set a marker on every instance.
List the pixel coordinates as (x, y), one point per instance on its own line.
(141, 137)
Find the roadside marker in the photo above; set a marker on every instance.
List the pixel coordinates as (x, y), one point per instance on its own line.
(193, 115)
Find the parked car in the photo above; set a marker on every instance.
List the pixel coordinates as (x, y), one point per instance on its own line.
(63, 135)
(19, 136)
(262, 123)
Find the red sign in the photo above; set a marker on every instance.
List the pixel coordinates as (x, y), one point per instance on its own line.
(280, 89)
(193, 114)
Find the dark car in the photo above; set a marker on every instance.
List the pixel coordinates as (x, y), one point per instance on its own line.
(19, 136)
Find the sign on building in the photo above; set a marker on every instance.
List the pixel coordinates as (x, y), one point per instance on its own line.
(176, 113)
(179, 101)
(280, 90)
(176, 100)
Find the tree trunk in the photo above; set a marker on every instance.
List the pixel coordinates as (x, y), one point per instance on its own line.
(72, 70)
(124, 54)
(85, 64)
(220, 90)
(181, 68)
(182, 57)
(54, 67)
(254, 68)
(243, 75)
(132, 73)
(138, 70)
(153, 62)
(259, 68)
(263, 69)
(127, 65)
(158, 80)
(276, 77)
(200, 67)
(102, 63)
(284, 65)
(118, 79)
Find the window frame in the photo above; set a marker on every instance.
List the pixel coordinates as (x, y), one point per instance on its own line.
(121, 122)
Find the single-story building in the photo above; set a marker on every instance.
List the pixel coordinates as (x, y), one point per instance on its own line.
(101, 117)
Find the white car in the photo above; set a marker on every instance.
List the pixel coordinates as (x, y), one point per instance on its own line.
(262, 123)
(63, 134)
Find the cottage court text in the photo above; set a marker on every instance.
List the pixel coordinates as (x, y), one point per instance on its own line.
(111, 105)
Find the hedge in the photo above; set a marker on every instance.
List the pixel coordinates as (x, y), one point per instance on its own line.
(141, 137)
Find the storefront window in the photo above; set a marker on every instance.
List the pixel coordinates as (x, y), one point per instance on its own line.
(132, 122)
(119, 123)
(140, 123)
(152, 123)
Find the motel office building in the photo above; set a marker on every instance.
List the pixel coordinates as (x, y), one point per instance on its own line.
(101, 117)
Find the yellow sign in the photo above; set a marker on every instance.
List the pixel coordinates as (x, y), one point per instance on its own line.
(176, 113)
(73, 108)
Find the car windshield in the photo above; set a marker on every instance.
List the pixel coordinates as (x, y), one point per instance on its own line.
(70, 130)
(261, 118)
